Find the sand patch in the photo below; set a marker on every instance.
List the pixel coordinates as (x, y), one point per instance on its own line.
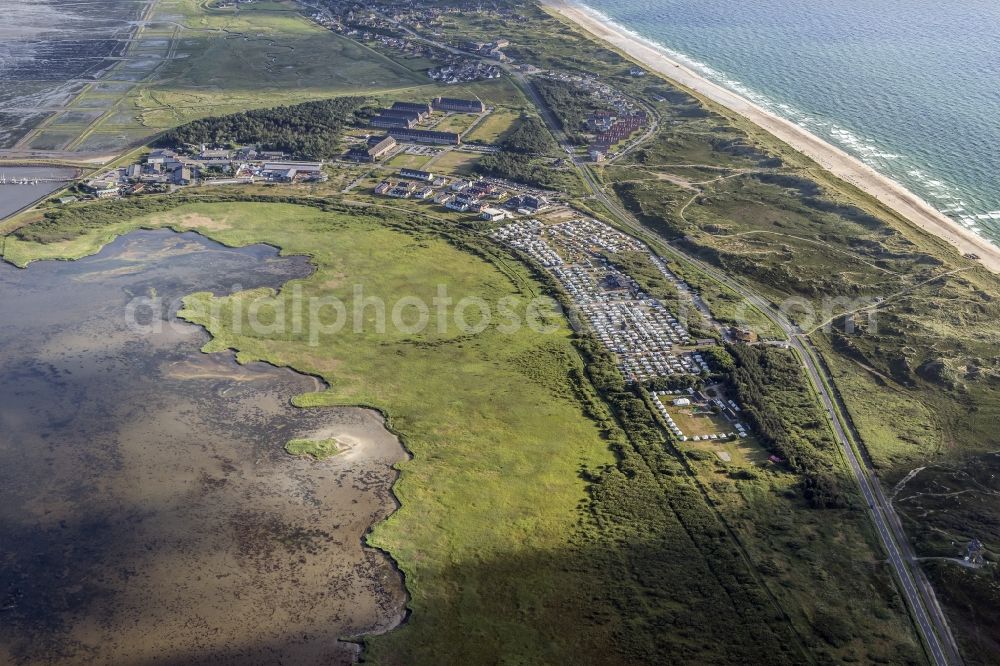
(334, 282)
(98, 276)
(212, 367)
(362, 439)
(198, 221)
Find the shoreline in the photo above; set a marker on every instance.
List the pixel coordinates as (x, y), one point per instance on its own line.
(63, 185)
(256, 490)
(842, 165)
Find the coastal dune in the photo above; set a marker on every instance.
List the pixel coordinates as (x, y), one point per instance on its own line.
(833, 159)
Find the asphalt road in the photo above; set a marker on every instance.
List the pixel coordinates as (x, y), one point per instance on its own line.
(924, 607)
(921, 599)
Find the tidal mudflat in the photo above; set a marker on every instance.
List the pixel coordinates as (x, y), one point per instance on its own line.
(50, 51)
(149, 512)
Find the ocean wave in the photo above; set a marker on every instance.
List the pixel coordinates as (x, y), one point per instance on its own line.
(947, 198)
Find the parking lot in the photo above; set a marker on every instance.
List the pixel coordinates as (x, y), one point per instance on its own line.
(641, 331)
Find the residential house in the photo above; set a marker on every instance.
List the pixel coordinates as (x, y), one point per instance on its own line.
(416, 174)
(376, 149)
(493, 214)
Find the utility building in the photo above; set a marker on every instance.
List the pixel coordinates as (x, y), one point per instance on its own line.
(372, 152)
(386, 122)
(425, 136)
(421, 108)
(459, 105)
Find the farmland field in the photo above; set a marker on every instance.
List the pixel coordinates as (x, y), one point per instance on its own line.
(190, 61)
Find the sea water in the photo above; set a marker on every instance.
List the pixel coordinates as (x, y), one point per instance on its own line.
(910, 87)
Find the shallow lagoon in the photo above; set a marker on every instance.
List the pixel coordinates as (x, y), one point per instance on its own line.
(148, 510)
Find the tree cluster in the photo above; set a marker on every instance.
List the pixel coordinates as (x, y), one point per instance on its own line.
(570, 104)
(676, 547)
(529, 139)
(308, 131)
(780, 407)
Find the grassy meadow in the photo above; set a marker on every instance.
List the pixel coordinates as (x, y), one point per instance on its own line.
(496, 432)
(545, 515)
(258, 55)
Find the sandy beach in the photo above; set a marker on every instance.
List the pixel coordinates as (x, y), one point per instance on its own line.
(831, 158)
